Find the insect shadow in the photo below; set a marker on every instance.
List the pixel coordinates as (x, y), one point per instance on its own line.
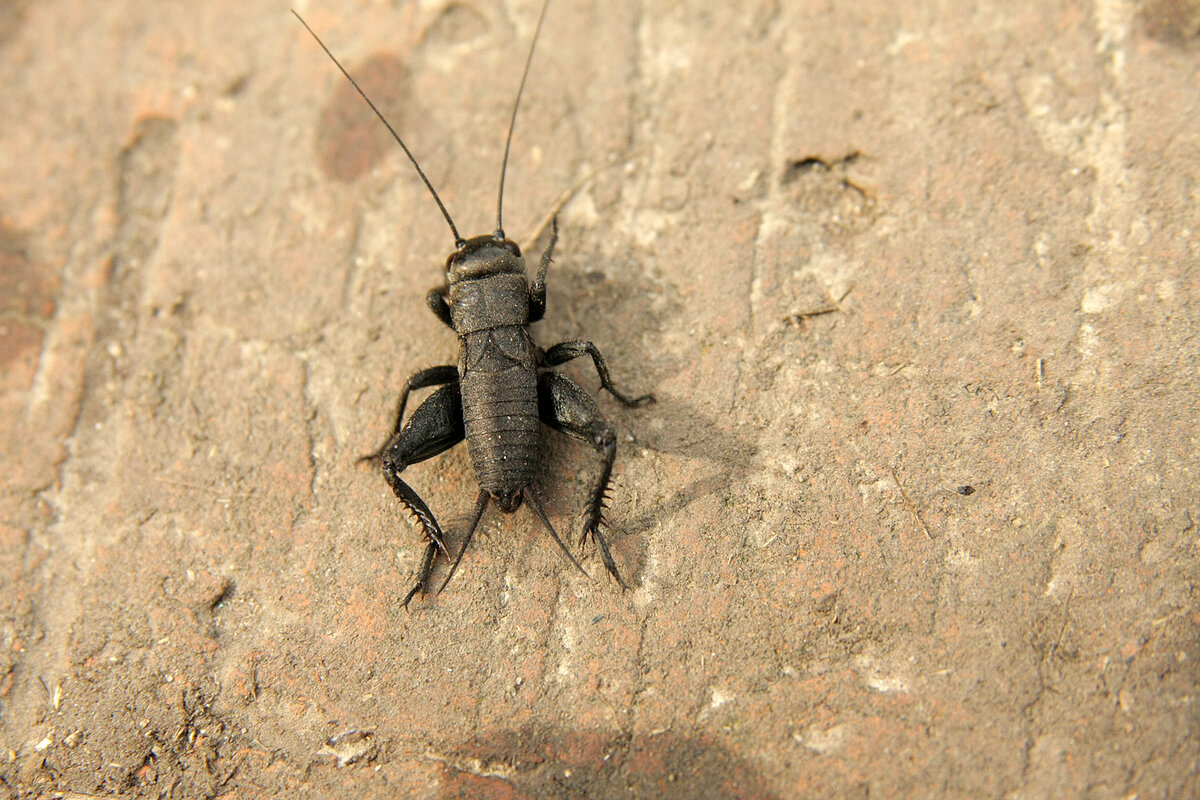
(682, 429)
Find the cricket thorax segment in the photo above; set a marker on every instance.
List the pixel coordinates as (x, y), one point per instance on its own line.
(487, 303)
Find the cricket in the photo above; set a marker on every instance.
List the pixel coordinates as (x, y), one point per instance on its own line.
(503, 393)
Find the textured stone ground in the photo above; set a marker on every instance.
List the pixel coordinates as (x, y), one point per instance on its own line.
(916, 512)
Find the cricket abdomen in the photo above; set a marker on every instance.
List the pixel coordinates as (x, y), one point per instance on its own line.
(497, 372)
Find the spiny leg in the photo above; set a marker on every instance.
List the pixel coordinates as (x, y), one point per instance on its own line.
(565, 351)
(564, 406)
(434, 376)
(431, 552)
(436, 426)
(537, 292)
(535, 503)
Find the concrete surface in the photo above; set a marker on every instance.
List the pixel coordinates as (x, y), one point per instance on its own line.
(915, 514)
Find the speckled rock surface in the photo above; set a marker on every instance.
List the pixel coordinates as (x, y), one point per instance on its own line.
(916, 512)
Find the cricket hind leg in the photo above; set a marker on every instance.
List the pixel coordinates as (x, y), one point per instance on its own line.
(436, 426)
(434, 376)
(564, 406)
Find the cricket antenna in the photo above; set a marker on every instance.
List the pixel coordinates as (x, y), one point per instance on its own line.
(499, 234)
(458, 240)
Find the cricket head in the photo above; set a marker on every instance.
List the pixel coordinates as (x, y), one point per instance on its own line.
(483, 256)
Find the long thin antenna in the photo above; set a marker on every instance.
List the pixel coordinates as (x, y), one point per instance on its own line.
(513, 122)
(458, 240)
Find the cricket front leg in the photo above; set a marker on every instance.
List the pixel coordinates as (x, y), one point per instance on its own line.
(537, 291)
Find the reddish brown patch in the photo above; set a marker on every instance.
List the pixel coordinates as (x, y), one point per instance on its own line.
(351, 140)
(27, 292)
(1175, 22)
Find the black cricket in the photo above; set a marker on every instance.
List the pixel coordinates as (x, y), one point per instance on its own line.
(502, 385)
